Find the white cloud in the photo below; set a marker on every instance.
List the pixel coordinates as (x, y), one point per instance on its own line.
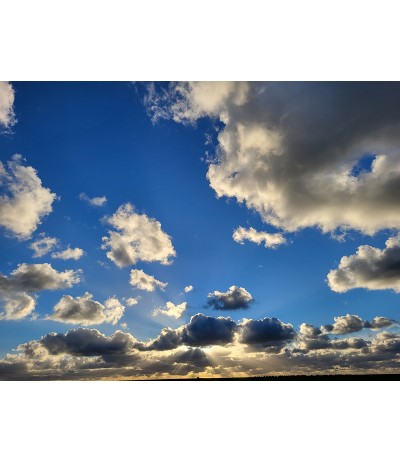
(7, 96)
(95, 201)
(187, 102)
(139, 238)
(46, 244)
(370, 268)
(346, 324)
(139, 279)
(131, 301)
(85, 311)
(188, 288)
(24, 202)
(294, 163)
(16, 289)
(16, 305)
(258, 237)
(43, 245)
(171, 310)
(69, 254)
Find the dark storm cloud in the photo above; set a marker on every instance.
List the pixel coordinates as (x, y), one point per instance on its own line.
(234, 298)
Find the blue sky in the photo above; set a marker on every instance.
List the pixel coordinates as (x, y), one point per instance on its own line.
(106, 139)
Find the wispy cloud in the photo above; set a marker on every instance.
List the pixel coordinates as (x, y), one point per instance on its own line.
(95, 201)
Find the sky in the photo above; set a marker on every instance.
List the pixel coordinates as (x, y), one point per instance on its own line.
(213, 229)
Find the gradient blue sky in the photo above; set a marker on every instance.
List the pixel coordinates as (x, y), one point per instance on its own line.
(97, 138)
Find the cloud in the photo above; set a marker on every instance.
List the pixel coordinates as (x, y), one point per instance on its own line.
(314, 338)
(201, 330)
(258, 237)
(24, 202)
(309, 331)
(139, 238)
(26, 279)
(95, 201)
(189, 102)
(206, 347)
(81, 342)
(298, 152)
(205, 330)
(379, 322)
(36, 277)
(16, 305)
(188, 288)
(353, 323)
(69, 254)
(175, 311)
(86, 311)
(131, 301)
(234, 298)
(139, 279)
(46, 244)
(43, 245)
(345, 324)
(266, 332)
(370, 268)
(325, 343)
(7, 96)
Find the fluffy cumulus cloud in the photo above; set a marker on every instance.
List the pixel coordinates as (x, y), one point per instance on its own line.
(201, 330)
(269, 240)
(297, 153)
(234, 298)
(138, 238)
(43, 245)
(95, 201)
(188, 288)
(172, 310)
(86, 311)
(69, 254)
(81, 342)
(16, 290)
(24, 202)
(132, 301)
(7, 116)
(140, 280)
(266, 332)
(353, 323)
(319, 338)
(369, 268)
(205, 346)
